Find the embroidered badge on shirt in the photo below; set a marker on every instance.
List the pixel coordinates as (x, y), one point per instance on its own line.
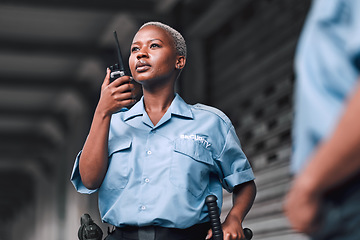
(196, 137)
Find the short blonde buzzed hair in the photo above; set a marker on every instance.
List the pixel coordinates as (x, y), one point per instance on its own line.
(179, 41)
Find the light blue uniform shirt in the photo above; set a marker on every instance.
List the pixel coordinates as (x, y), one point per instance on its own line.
(161, 175)
(327, 69)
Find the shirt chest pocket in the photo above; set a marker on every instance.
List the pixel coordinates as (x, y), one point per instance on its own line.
(190, 166)
(117, 175)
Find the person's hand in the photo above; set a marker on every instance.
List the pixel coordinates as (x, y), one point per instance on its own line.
(302, 208)
(232, 229)
(120, 93)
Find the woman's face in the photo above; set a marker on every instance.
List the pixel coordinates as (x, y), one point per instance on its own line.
(153, 56)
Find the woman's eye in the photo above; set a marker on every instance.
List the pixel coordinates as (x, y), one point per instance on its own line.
(154, 45)
(133, 49)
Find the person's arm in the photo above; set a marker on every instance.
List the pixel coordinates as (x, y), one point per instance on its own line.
(243, 199)
(336, 160)
(94, 157)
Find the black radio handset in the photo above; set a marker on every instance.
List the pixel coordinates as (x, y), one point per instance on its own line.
(117, 70)
(88, 229)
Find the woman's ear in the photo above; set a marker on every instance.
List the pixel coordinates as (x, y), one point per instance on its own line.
(180, 62)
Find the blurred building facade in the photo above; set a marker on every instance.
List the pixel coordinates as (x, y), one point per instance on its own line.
(53, 56)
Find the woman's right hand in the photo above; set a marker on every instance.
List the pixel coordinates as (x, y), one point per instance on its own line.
(94, 157)
(116, 95)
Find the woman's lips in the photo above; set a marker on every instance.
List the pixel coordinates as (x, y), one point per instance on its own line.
(142, 66)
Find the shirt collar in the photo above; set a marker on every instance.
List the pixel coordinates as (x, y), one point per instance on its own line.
(136, 110)
(178, 107)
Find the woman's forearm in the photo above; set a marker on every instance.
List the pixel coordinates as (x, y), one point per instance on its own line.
(94, 157)
(243, 199)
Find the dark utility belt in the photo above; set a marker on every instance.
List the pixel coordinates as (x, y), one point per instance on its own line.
(196, 232)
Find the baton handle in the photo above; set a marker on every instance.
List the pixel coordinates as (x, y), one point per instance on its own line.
(217, 233)
(215, 220)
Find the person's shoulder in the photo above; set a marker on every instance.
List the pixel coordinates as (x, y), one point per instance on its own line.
(212, 112)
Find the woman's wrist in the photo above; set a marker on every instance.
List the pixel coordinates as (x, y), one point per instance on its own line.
(102, 113)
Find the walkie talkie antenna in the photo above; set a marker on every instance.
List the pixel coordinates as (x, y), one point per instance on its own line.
(121, 64)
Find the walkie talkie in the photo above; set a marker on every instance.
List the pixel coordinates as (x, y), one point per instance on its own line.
(88, 229)
(117, 70)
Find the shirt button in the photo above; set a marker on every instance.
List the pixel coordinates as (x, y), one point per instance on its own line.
(147, 180)
(143, 207)
(149, 152)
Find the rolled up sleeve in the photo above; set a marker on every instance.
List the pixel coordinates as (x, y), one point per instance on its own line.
(76, 178)
(234, 164)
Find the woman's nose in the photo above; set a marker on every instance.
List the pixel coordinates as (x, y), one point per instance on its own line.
(141, 54)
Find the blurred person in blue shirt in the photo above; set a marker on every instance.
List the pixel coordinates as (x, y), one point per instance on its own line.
(154, 164)
(324, 199)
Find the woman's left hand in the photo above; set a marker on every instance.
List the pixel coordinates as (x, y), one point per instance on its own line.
(232, 229)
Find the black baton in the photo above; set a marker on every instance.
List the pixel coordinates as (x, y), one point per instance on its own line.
(215, 220)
